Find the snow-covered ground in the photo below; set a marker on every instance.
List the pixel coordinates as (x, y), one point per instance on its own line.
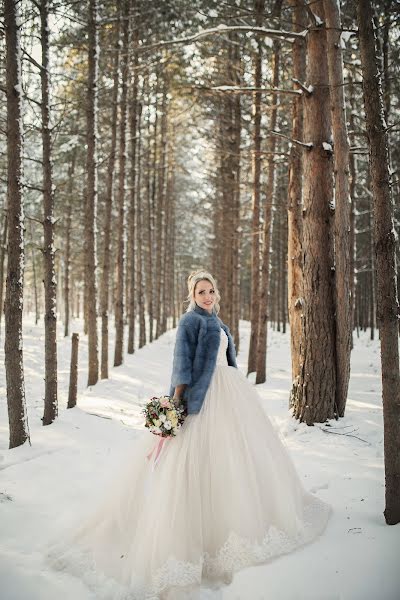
(357, 557)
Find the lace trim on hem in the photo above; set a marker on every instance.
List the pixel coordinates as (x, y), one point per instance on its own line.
(237, 553)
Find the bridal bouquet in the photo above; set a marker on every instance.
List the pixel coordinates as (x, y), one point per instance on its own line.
(163, 417)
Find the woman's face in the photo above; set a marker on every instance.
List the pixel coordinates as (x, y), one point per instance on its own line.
(204, 295)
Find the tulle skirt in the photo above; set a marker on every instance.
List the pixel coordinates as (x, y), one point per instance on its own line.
(223, 495)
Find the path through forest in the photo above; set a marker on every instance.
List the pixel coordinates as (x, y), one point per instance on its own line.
(356, 558)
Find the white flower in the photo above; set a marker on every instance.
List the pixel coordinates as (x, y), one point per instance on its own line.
(167, 425)
(162, 417)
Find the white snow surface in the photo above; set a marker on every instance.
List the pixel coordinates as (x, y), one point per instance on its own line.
(356, 558)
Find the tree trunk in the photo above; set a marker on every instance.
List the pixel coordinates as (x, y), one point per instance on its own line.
(385, 248)
(73, 372)
(261, 357)
(105, 274)
(295, 254)
(160, 213)
(132, 205)
(352, 191)
(255, 224)
(91, 194)
(2, 261)
(139, 239)
(313, 395)
(49, 274)
(121, 227)
(67, 257)
(342, 203)
(17, 414)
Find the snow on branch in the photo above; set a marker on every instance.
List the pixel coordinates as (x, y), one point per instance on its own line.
(273, 33)
(293, 141)
(235, 89)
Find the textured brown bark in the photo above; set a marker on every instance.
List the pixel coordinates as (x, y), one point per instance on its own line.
(295, 254)
(150, 200)
(50, 281)
(121, 224)
(139, 239)
(13, 346)
(67, 256)
(2, 262)
(105, 274)
(160, 213)
(255, 224)
(236, 229)
(73, 372)
(385, 248)
(352, 191)
(35, 286)
(313, 395)
(342, 203)
(132, 200)
(91, 194)
(261, 357)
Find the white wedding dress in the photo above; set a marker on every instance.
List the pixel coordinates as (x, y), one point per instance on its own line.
(223, 495)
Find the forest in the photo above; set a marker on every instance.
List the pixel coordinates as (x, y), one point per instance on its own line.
(257, 139)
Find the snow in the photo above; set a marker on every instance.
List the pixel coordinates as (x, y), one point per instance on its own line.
(355, 559)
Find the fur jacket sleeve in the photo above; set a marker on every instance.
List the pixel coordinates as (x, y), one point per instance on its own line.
(195, 355)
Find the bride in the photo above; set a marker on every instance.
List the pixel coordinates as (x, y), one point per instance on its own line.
(222, 495)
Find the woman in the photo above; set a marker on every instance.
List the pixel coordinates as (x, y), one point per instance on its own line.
(224, 493)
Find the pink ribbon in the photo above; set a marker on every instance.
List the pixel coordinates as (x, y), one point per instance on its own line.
(158, 447)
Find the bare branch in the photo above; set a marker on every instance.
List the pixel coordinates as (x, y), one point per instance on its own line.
(32, 60)
(293, 141)
(273, 33)
(233, 89)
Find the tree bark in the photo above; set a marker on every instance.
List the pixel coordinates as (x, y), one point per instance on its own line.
(67, 256)
(73, 373)
(255, 224)
(105, 274)
(13, 346)
(295, 202)
(385, 248)
(313, 395)
(342, 203)
(261, 358)
(139, 239)
(160, 213)
(91, 194)
(120, 288)
(49, 273)
(3, 252)
(132, 203)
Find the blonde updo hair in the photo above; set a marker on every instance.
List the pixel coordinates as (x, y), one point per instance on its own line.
(192, 281)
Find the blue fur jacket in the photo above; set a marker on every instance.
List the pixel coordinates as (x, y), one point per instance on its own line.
(195, 355)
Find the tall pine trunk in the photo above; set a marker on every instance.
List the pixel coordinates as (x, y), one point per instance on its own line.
(385, 252)
(295, 255)
(256, 174)
(67, 257)
(105, 274)
(313, 394)
(342, 203)
(3, 252)
(121, 226)
(261, 357)
(91, 194)
(13, 347)
(50, 281)
(132, 201)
